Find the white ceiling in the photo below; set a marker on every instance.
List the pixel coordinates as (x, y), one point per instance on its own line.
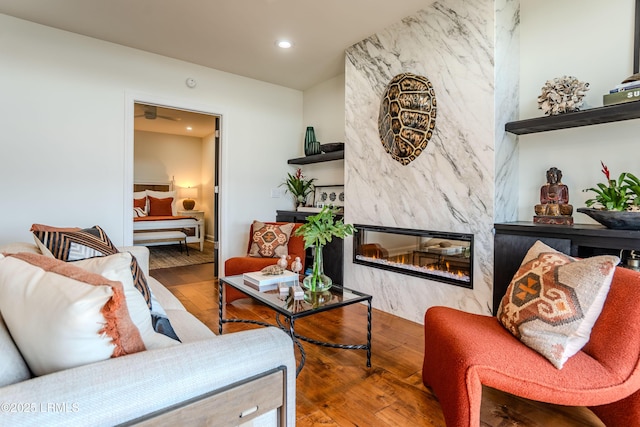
(236, 36)
(174, 122)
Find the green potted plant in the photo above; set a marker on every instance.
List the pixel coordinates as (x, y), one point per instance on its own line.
(298, 186)
(317, 232)
(614, 195)
(617, 203)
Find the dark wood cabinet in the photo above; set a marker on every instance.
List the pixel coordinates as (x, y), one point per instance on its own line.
(513, 240)
(333, 252)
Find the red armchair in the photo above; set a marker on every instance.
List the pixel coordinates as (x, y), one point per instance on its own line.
(246, 264)
(464, 351)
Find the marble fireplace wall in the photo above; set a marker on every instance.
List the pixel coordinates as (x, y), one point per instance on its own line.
(451, 186)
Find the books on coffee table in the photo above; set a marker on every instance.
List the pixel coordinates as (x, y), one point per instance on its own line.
(267, 282)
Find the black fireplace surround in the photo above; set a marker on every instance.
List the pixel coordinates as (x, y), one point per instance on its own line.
(434, 255)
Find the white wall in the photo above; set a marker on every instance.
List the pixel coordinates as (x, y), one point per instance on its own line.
(162, 157)
(64, 107)
(594, 42)
(323, 108)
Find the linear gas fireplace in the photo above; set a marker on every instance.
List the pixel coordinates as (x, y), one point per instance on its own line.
(434, 255)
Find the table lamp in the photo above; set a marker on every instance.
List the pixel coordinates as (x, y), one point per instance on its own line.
(189, 193)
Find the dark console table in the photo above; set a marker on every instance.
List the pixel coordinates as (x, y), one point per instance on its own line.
(333, 252)
(513, 240)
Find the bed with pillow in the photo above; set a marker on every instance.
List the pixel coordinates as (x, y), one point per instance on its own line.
(155, 213)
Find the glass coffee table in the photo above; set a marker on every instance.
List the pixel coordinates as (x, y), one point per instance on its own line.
(291, 310)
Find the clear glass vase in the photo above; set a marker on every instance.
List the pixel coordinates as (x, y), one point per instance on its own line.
(317, 281)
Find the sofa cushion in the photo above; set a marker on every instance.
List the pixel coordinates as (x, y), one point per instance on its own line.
(554, 300)
(72, 244)
(62, 316)
(270, 240)
(13, 368)
(15, 247)
(188, 327)
(116, 267)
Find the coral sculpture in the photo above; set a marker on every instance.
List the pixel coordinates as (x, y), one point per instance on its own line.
(562, 95)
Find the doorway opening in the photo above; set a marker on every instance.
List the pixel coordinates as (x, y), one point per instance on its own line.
(178, 151)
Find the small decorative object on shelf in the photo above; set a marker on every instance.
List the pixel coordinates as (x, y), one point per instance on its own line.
(331, 147)
(311, 146)
(554, 207)
(562, 95)
(617, 203)
(299, 187)
(317, 232)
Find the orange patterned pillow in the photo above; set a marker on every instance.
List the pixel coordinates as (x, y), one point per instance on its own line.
(554, 300)
(270, 240)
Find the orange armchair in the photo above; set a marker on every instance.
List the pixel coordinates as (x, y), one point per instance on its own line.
(464, 351)
(246, 264)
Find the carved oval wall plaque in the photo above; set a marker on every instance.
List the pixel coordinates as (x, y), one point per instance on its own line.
(407, 116)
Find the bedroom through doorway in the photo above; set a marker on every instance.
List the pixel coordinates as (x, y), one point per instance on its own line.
(175, 155)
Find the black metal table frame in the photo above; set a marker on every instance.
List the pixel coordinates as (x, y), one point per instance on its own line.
(291, 317)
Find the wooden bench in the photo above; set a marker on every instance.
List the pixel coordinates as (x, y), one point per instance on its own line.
(159, 237)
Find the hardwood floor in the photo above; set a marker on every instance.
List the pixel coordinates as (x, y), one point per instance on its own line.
(335, 388)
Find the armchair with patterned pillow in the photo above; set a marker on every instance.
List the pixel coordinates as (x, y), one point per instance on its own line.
(267, 242)
(567, 332)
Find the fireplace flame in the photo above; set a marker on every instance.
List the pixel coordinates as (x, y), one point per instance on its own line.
(405, 261)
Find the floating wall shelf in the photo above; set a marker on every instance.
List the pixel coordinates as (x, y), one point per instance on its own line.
(317, 158)
(592, 116)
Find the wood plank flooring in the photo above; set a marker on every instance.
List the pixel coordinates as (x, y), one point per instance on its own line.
(335, 388)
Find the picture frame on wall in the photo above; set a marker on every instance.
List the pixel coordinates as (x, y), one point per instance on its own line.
(329, 195)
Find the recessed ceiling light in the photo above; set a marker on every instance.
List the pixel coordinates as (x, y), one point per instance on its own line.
(189, 128)
(284, 44)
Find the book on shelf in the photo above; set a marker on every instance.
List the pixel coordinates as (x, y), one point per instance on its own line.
(620, 97)
(268, 282)
(623, 89)
(625, 86)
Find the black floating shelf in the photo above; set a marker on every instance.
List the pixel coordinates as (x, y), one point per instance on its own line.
(592, 116)
(317, 158)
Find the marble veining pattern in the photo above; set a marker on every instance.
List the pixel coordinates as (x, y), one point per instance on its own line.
(450, 186)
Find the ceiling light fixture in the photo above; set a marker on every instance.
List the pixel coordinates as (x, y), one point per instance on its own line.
(284, 44)
(189, 128)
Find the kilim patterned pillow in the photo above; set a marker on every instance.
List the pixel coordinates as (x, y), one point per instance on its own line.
(554, 300)
(73, 244)
(270, 240)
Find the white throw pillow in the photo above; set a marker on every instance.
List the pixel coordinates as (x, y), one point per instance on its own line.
(117, 267)
(61, 316)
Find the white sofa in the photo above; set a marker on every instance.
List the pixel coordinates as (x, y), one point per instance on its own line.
(233, 379)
